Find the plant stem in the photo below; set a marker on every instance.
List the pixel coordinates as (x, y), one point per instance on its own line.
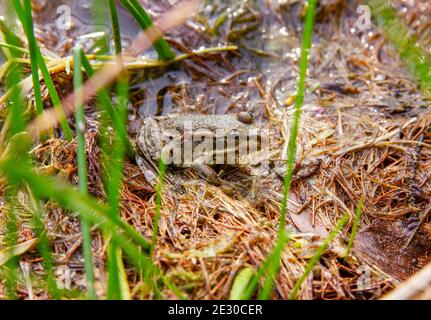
(82, 170)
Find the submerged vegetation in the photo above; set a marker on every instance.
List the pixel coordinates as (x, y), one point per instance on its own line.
(340, 211)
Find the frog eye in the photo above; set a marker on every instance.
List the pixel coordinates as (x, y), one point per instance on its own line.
(245, 117)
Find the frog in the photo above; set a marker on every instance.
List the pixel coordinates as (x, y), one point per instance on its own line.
(200, 142)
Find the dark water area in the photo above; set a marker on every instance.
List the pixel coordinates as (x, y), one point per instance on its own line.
(250, 78)
(259, 76)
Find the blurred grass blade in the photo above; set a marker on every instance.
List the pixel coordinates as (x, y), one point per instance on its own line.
(265, 268)
(10, 256)
(25, 16)
(113, 157)
(15, 123)
(124, 290)
(122, 234)
(44, 246)
(113, 163)
(109, 73)
(12, 42)
(71, 199)
(159, 188)
(144, 20)
(82, 171)
(28, 27)
(273, 268)
(115, 26)
(417, 59)
(240, 283)
(106, 105)
(16, 250)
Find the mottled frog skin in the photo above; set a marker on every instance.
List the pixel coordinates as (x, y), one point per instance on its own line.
(228, 135)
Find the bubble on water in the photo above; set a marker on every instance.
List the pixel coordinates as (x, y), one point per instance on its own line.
(251, 79)
(284, 31)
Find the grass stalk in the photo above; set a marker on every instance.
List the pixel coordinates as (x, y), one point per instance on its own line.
(117, 280)
(355, 227)
(25, 16)
(417, 59)
(273, 262)
(82, 170)
(121, 233)
(159, 190)
(144, 20)
(27, 23)
(115, 26)
(315, 258)
(104, 101)
(11, 267)
(44, 246)
(16, 115)
(113, 177)
(12, 40)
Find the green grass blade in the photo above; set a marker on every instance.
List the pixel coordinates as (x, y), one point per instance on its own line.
(273, 269)
(113, 157)
(44, 246)
(69, 198)
(118, 287)
(107, 107)
(122, 234)
(12, 41)
(310, 265)
(159, 188)
(27, 23)
(144, 20)
(11, 267)
(273, 260)
(113, 176)
(355, 227)
(241, 283)
(16, 118)
(115, 26)
(268, 264)
(305, 50)
(25, 16)
(82, 170)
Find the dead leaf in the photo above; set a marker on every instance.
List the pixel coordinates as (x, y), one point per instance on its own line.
(17, 250)
(381, 244)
